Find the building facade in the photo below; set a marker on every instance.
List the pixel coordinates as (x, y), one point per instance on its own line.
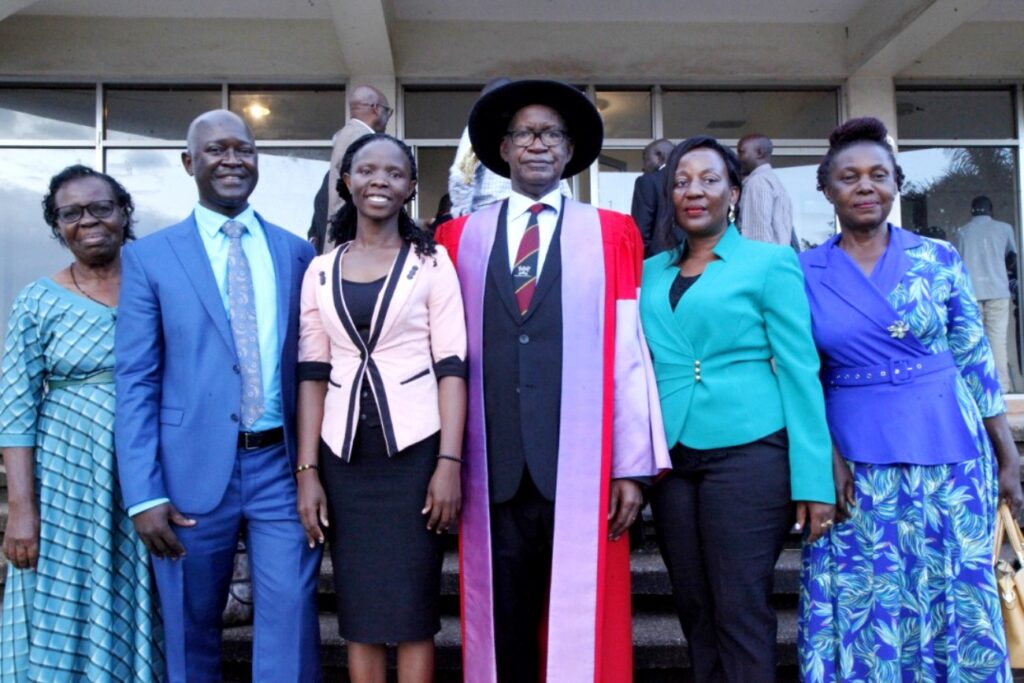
(114, 83)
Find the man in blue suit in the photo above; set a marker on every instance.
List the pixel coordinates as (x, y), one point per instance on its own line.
(205, 427)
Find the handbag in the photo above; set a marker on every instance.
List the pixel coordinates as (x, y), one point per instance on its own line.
(1010, 583)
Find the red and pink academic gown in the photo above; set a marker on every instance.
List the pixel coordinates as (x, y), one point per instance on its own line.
(610, 428)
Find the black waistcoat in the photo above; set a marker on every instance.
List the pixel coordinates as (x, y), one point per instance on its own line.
(522, 366)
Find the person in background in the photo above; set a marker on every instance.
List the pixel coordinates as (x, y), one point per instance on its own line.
(904, 588)
(765, 209)
(557, 359)
(382, 405)
(444, 212)
(471, 185)
(369, 111)
(206, 347)
(78, 601)
(648, 190)
(729, 329)
(988, 249)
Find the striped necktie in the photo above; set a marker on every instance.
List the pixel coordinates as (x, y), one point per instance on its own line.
(242, 313)
(524, 272)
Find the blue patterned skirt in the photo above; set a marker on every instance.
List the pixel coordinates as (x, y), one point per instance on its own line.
(905, 591)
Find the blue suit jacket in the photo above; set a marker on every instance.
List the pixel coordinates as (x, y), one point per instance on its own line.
(178, 386)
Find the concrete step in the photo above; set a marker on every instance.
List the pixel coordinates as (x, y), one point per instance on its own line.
(649, 575)
(658, 642)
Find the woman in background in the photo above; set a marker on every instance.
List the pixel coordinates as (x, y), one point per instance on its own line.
(78, 602)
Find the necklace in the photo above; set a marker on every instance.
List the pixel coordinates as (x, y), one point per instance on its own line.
(74, 281)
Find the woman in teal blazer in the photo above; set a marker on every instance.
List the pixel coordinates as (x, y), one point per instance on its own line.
(729, 330)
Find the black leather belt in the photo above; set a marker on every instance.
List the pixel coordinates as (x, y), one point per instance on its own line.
(249, 441)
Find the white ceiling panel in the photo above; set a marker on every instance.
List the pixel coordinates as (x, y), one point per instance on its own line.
(183, 9)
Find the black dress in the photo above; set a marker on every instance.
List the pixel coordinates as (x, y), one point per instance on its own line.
(387, 565)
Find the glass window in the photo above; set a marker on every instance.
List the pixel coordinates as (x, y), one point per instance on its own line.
(28, 247)
(618, 170)
(290, 114)
(164, 194)
(50, 114)
(625, 114)
(289, 180)
(730, 115)
(437, 114)
(813, 217)
(432, 166)
(155, 114)
(941, 183)
(954, 114)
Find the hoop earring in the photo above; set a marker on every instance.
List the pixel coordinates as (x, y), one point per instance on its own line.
(732, 213)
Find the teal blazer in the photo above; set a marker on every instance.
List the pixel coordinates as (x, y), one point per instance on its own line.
(713, 357)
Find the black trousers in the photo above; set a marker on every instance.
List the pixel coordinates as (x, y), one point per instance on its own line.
(721, 516)
(522, 533)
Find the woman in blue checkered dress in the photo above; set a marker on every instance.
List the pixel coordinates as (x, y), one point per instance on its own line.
(78, 600)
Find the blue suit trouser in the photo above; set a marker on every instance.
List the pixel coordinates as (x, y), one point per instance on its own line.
(261, 499)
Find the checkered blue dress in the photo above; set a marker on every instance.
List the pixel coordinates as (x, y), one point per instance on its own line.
(88, 612)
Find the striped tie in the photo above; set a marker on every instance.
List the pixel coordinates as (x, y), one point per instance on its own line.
(524, 272)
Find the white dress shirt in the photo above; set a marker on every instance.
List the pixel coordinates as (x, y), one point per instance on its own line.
(519, 217)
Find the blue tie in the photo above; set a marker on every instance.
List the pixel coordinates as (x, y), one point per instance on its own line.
(242, 312)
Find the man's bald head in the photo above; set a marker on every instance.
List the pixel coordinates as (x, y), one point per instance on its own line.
(215, 118)
(656, 154)
(754, 150)
(369, 105)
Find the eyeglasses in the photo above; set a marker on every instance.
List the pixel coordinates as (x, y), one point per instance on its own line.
(72, 213)
(388, 111)
(552, 137)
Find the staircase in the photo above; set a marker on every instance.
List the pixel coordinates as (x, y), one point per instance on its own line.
(659, 651)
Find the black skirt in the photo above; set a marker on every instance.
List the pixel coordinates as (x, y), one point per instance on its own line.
(387, 565)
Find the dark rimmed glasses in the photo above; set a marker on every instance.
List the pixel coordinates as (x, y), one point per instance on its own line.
(552, 137)
(72, 213)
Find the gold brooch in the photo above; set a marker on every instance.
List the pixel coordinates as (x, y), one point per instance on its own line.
(898, 330)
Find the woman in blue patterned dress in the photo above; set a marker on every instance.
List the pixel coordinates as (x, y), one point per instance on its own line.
(78, 604)
(903, 590)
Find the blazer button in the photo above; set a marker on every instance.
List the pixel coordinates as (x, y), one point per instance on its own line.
(237, 369)
(524, 339)
(234, 418)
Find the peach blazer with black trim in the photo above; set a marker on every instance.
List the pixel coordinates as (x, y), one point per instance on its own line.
(417, 336)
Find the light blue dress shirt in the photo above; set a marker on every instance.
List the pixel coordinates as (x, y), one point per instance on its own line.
(264, 281)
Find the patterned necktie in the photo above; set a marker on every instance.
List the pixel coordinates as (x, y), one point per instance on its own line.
(524, 272)
(242, 312)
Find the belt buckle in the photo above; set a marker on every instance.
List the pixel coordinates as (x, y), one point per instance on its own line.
(900, 371)
(245, 441)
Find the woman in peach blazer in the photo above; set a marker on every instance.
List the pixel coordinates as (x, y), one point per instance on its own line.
(382, 396)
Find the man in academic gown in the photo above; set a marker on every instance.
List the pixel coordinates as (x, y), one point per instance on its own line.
(563, 423)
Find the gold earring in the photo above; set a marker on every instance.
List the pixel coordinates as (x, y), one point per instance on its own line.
(732, 213)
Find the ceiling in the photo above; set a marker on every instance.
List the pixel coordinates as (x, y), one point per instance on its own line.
(677, 11)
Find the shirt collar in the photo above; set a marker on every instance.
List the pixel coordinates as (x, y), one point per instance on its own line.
(518, 204)
(363, 124)
(763, 168)
(210, 222)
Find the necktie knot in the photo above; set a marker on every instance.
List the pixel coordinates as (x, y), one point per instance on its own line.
(537, 208)
(233, 229)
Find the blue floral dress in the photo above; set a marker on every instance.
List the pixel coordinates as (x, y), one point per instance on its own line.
(87, 612)
(905, 591)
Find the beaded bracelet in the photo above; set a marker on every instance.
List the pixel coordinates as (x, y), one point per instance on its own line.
(442, 456)
(303, 468)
